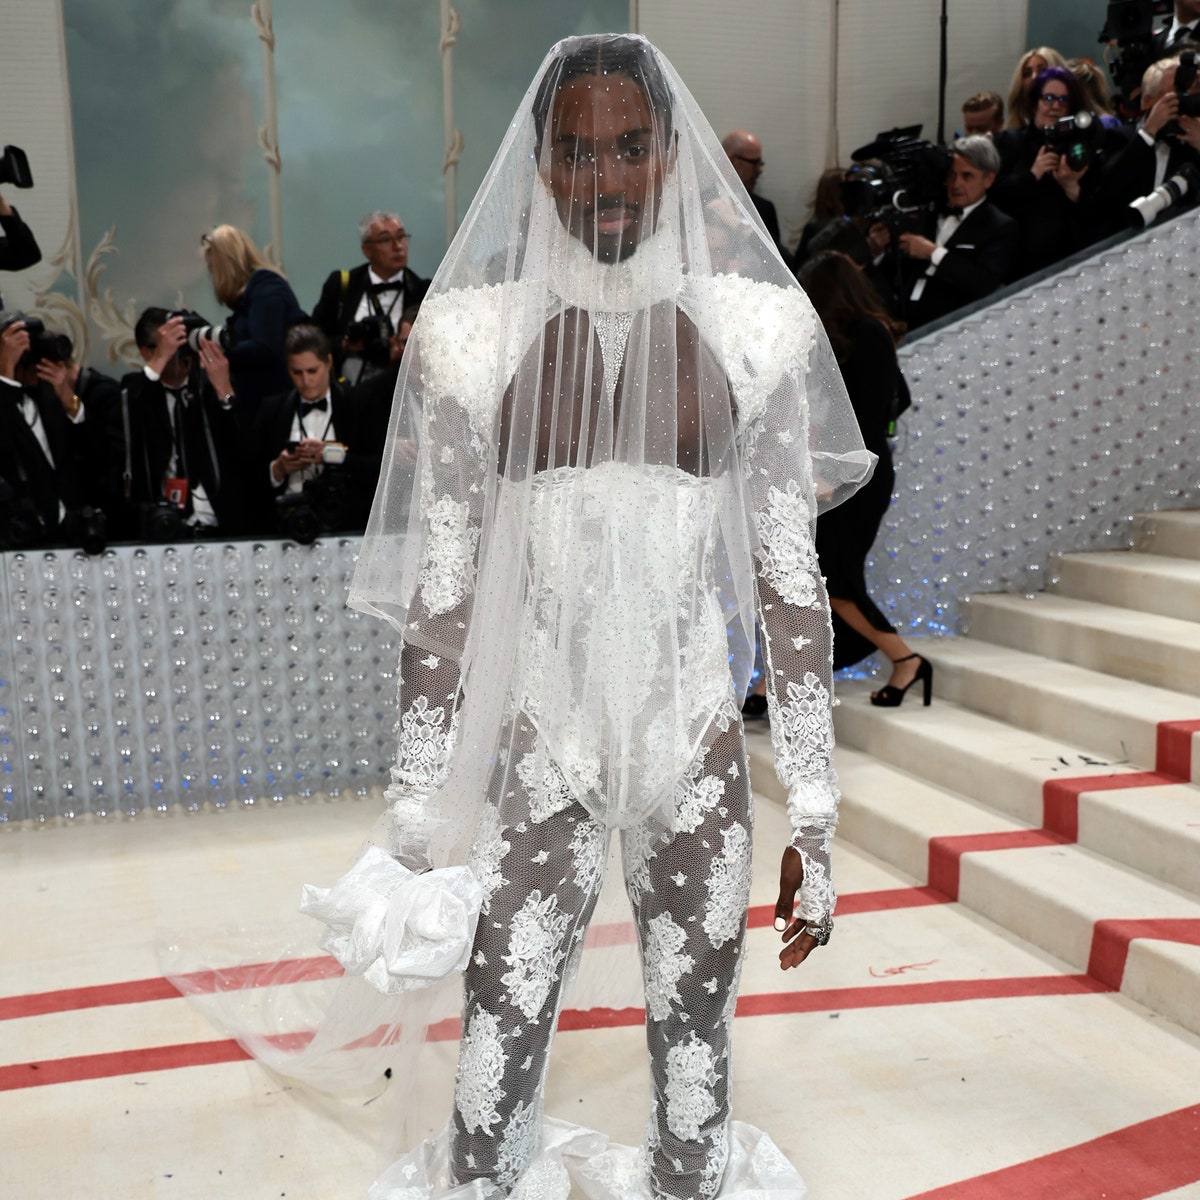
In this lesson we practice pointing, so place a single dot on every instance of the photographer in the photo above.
(182, 464)
(1183, 33)
(46, 461)
(316, 449)
(360, 308)
(1156, 148)
(1049, 173)
(963, 252)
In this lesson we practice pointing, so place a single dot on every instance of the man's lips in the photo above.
(610, 221)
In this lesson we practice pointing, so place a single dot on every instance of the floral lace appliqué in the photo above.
(691, 1077)
(544, 785)
(729, 887)
(536, 949)
(518, 1144)
(481, 1063)
(789, 558)
(449, 554)
(423, 745)
(588, 847)
(802, 730)
(695, 798)
(486, 854)
(665, 965)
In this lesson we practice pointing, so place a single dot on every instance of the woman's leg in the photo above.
(540, 857)
(890, 643)
(690, 894)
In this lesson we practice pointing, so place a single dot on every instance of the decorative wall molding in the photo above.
(268, 133)
(451, 27)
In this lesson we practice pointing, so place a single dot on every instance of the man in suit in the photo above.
(18, 246)
(320, 444)
(378, 290)
(1150, 152)
(1183, 33)
(964, 252)
(745, 152)
(44, 446)
(182, 463)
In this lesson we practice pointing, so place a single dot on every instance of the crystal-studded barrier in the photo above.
(211, 675)
(1040, 425)
(152, 678)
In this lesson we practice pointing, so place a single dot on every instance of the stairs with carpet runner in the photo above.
(1053, 787)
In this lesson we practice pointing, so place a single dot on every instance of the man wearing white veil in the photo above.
(614, 426)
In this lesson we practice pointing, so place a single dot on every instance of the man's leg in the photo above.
(540, 857)
(690, 895)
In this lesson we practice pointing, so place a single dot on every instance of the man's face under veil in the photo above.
(604, 162)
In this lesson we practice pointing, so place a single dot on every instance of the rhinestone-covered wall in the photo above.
(1041, 425)
(162, 677)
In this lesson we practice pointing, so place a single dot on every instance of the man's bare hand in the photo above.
(58, 376)
(14, 341)
(216, 367)
(1164, 110)
(916, 246)
(171, 336)
(798, 944)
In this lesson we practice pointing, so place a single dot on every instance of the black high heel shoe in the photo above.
(893, 697)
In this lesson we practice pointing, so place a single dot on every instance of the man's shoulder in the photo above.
(987, 218)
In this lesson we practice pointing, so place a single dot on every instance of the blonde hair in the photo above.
(1155, 78)
(232, 257)
(1095, 86)
(1020, 111)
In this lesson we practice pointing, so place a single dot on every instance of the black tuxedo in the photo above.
(1129, 174)
(360, 418)
(23, 464)
(18, 246)
(211, 449)
(1161, 47)
(979, 255)
(337, 305)
(766, 210)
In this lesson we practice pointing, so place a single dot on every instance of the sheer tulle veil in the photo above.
(612, 371)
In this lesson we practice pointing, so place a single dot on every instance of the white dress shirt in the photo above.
(947, 227)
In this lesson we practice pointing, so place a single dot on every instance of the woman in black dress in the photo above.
(864, 340)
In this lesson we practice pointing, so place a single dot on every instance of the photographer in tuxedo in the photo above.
(316, 450)
(360, 308)
(181, 475)
(1183, 33)
(964, 252)
(46, 458)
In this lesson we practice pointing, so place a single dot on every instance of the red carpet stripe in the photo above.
(945, 853)
(196, 1054)
(1110, 943)
(1060, 797)
(1174, 749)
(1134, 1163)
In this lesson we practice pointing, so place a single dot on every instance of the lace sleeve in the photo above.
(452, 464)
(797, 644)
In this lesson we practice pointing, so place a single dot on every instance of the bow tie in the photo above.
(377, 288)
(320, 405)
(952, 212)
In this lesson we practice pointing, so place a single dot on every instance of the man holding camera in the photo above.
(1163, 142)
(360, 309)
(18, 246)
(180, 474)
(45, 461)
(964, 252)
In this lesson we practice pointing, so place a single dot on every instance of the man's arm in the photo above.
(18, 248)
(976, 273)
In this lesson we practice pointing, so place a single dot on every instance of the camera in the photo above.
(42, 345)
(911, 175)
(1130, 25)
(1147, 210)
(323, 505)
(14, 167)
(373, 332)
(161, 521)
(1079, 139)
(197, 327)
(87, 528)
(1185, 79)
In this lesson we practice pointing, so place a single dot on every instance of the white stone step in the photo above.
(1176, 534)
(1155, 830)
(1161, 651)
(1113, 719)
(1051, 897)
(1151, 583)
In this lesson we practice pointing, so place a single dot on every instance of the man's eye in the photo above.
(636, 151)
(576, 158)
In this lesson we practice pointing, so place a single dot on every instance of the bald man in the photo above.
(746, 154)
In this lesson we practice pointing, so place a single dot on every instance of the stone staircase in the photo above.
(1054, 785)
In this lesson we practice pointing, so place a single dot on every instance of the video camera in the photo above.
(1185, 79)
(911, 175)
(197, 327)
(1169, 197)
(1130, 27)
(14, 167)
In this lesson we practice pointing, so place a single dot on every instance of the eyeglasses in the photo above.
(754, 162)
(388, 239)
(1053, 100)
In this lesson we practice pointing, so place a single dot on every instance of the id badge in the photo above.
(176, 491)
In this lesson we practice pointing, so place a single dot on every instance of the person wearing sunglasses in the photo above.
(1049, 195)
(360, 308)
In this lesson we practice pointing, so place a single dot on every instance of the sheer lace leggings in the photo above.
(542, 857)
